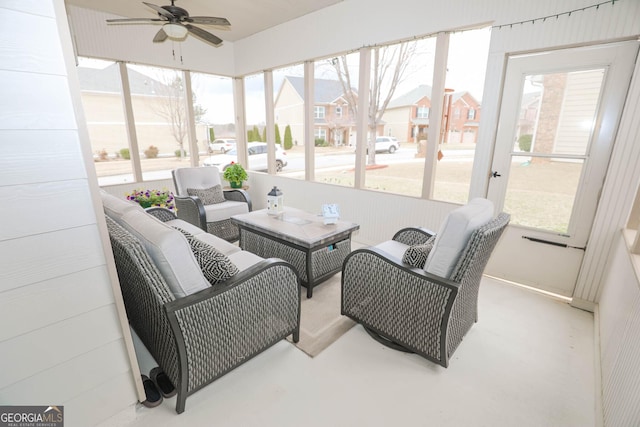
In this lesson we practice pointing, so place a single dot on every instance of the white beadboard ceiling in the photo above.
(246, 17)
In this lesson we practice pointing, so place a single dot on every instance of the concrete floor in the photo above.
(529, 361)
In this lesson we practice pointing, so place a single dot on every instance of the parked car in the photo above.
(222, 145)
(257, 157)
(386, 143)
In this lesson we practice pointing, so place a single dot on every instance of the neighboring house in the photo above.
(407, 117)
(333, 118)
(464, 119)
(560, 111)
(102, 103)
(528, 113)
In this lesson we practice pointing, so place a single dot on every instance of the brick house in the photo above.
(333, 117)
(407, 117)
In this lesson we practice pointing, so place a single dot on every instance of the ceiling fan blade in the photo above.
(160, 10)
(110, 21)
(204, 35)
(160, 36)
(208, 20)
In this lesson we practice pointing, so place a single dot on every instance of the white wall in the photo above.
(60, 342)
(619, 326)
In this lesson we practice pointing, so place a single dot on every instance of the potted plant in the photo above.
(235, 174)
(149, 198)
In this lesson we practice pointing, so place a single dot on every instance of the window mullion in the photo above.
(130, 123)
(435, 120)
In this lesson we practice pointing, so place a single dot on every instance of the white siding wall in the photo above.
(619, 344)
(60, 342)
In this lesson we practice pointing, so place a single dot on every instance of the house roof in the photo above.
(325, 90)
(411, 98)
(107, 80)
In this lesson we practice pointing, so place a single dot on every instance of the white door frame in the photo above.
(555, 267)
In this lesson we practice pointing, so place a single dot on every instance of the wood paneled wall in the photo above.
(61, 342)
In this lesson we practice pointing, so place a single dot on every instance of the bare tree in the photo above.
(389, 68)
(171, 106)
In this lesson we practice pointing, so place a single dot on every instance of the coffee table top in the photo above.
(295, 226)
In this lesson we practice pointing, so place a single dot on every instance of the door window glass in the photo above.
(555, 126)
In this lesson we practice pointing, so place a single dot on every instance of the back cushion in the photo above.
(202, 177)
(169, 250)
(115, 207)
(454, 234)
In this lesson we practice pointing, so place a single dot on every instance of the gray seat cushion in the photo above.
(222, 211)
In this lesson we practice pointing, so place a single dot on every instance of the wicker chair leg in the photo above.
(181, 401)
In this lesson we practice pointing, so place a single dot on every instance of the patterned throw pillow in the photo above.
(416, 255)
(209, 196)
(216, 266)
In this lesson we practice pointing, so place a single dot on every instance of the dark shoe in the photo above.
(154, 398)
(163, 382)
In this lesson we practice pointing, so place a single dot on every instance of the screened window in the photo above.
(101, 93)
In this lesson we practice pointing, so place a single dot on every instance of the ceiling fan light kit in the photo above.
(175, 31)
(176, 24)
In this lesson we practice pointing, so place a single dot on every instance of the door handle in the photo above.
(495, 174)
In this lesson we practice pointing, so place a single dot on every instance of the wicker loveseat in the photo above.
(428, 307)
(198, 337)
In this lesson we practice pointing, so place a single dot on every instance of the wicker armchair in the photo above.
(200, 337)
(214, 218)
(409, 308)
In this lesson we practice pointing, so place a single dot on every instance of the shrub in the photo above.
(320, 142)
(288, 140)
(151, 152)
(125, 154)
(524, 142)
(278, 139)
(212, 134)
(179, 152)
(103, 155)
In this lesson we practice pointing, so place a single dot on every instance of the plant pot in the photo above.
(235, 184)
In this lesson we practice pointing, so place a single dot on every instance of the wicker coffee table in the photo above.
(316, 250)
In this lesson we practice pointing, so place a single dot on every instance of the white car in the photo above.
(386, 143)
(222, 145)
(257, 158)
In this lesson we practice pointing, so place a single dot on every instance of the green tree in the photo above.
(212, 134)
(288, 139)
(264, 134)
(278, 140)
(256, 134)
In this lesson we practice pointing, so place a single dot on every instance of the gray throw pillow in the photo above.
(416, 255)
(216, 266)
(209, 196)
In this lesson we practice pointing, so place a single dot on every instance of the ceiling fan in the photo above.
(177, 23)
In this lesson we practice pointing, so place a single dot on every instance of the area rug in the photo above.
(321, 323)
